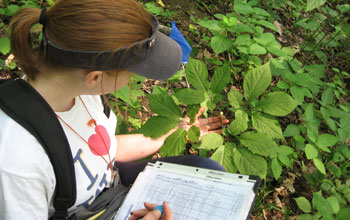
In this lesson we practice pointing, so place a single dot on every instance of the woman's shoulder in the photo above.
(20, 152)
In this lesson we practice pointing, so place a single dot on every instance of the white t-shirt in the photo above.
(27, 179)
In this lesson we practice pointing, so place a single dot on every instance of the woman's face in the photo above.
(112, 82)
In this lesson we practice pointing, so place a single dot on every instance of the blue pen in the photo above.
(160, 208)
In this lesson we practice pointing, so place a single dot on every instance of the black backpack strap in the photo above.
(26, 106)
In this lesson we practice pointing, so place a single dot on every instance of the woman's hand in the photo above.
(206, 125)
(150, 214)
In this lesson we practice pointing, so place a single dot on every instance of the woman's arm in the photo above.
(131, 147)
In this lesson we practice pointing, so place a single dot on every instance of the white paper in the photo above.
(189, 198)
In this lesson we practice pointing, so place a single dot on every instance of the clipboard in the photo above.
(193, 193)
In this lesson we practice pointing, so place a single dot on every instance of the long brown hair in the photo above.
(87, 25)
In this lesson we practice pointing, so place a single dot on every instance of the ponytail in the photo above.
(21, 41)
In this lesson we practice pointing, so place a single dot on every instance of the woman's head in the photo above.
(82, 26)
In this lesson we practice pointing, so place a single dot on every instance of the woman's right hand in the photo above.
(150, 214)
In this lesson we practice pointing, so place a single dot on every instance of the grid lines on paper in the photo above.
(193, 201)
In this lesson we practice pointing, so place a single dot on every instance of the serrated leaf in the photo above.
(277, 104)
(319, 165)
(259, 143)
(192, 111)
(312, 4)
(193, 134)
(175, 144)
(256, 81)
(190, 96)
(5, 45)
(256, 49)
(276, 168)
(235, 98)
(157, 126)
(248, 163)
(211, 141)
(197, 74)
(221, 77)
(228, 158)
(240, 123)
(267, 125)
(219, 154)
(164, 105)
(303, 204)
(311, 152)
(220, 43)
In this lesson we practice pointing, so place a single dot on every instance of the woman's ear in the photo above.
(93, 78)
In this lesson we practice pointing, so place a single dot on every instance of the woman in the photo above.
(88, 48)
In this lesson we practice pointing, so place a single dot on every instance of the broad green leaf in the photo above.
(321, 204)
(12, 9)
(303, 204)
(282, 85)
(343, 214)
(235, 98)
(256, 81)
(228, 158)
(276, 168)
(240, 123)
(256, 49)
(312, 4)
(277, 104)
(197, 74)
(259, 143)
(175, 144)
(310, 151)
(326, 140)
(266, 39)
(5, 45)
(291, 130)
(333, 201)
(248, 163)
(327, 97)
(305, 217)
(164, 105)
(219, 155)
(242, 9)
(267, 125)
(157, 126)
(190, 96)
(192, 111)
(221, 77)
(319, 165)
(276, 51)
(220, 43)
(211, 141)
(243, 40)
(277, 64)
(212, 25)
(193, 134)
(267, 25)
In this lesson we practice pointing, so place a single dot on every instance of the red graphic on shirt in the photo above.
(100, 142)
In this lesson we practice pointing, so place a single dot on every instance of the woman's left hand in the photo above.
(206, 125)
